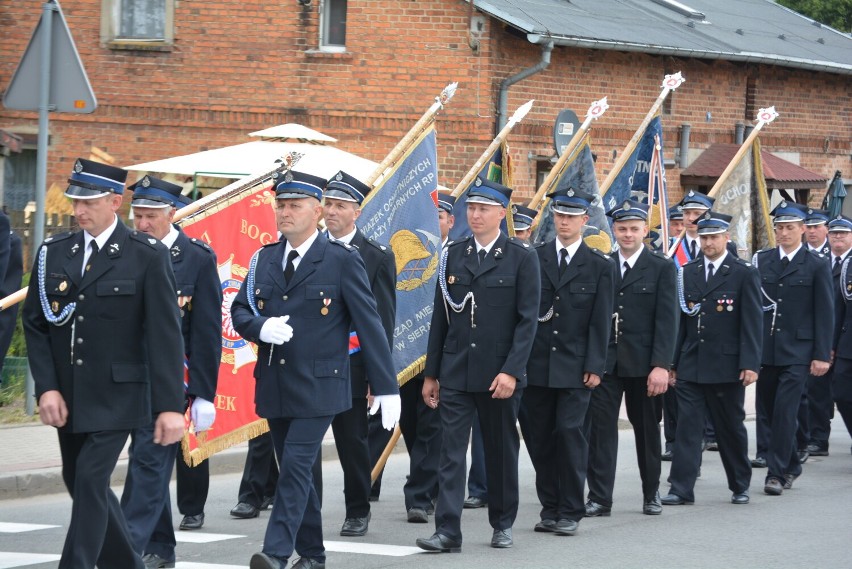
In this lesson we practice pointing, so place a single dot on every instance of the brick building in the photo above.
(174, 77)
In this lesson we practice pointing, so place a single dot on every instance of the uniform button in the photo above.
(282, 361)
(79, 340)
(115, 289)
(556, 331)
(81, 297)
(79, 362)
(620, 307)
(620, 333)
(284, 297)
(557, 298)
(780, 300)
(701, 340)
(780, 284)
(553, 349)
(321, 293)
(621, 320)
(621, 294)
(178, 293)
(702, 327)
(500, 281)
(556, 315)
(80, 318)
(472, 345)
(335, 371)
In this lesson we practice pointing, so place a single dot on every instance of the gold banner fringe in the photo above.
(207, 449)
(413, 369)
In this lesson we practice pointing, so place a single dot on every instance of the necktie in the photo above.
(710, 269)
(482, 253)
(290, 268)
(94, 248)
(837, 262)
(626, 269)
(692, 248)
(563, 261)
(785, 261)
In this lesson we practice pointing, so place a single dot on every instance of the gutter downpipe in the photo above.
(503, 95)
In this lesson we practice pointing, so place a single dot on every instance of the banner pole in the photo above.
(520, 113)
(670, 83)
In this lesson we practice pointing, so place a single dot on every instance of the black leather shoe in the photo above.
(773, 487)
(192, 522)
(667, 456)
(355, 527)
(711, 445)
(674, 500)
(545, 526)
(740, 498)
(440, 543)
(264, 561)
(758, 462)
(566, 527)
(653, 506)
(473, 502)
(244, 510)
(417, 516)
(788, 480)
(817, 450)
(267, 503)
(154, 561)
(308, 563)
(594, 510)
(501, 538)
(804, 455)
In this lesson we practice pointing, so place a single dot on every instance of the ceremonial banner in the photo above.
(579, 174)
(655, 196)
(744, 197)
(235, 230)
(497, 169)
(401, 213)
(632, 179)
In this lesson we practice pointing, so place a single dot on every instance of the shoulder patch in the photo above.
(144, 238)
(58, 237)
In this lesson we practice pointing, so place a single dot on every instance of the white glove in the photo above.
(203, 414)
(276, 331)
(391, 406)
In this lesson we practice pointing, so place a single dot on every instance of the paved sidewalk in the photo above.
(30, 463)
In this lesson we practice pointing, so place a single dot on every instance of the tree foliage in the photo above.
(835, 13)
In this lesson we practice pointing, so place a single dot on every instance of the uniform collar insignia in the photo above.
(113, 249)
(468, 250)
(498, 252)
(175, 250)
(75, 248)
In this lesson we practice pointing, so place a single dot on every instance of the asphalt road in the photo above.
(808, 526)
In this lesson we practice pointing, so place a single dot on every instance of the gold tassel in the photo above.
(206, 449)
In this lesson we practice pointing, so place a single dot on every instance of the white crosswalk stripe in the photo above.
(203, 537)
(6, 527)
(11, 559)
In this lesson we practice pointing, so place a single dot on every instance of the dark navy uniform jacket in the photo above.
(647, 316)
(381, 274)
(805, 316)
(328, 296)
(842, 344)
(574, 340)
(197, 277)
(725, 338)
(506, 290)
(127, 359)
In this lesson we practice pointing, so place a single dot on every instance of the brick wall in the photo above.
(236, 67)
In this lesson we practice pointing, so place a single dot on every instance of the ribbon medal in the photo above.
(324, 310)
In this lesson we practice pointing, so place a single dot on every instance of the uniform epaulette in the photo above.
(817, 253)
(655, 253)
(695, 260)
(201, 243)
(601, 254)
(537, 245)
(377, 245)
(765, 250)
(518, 242)
(270, 244)
(145, 238)
(460, 241)
(58, 237)
(346, 246)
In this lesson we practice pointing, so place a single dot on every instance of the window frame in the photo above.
(111, 27)
(324, 9)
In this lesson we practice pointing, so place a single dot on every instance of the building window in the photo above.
(137, 21)
(333, 25)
